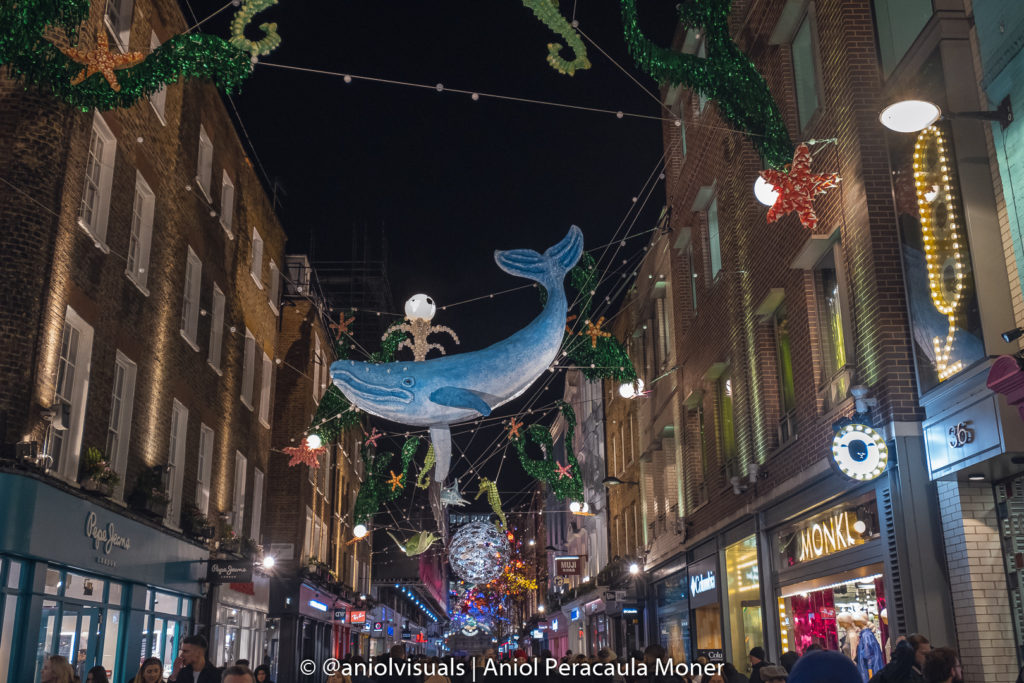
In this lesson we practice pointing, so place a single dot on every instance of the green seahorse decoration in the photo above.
(423, 481)
(491, 489)
(547, 12)
(265, 45)
(725, 75)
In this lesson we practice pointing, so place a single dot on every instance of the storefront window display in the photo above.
(598, 632)
(674, 616)
(10, 580)
(1010, 508)
(744, 597)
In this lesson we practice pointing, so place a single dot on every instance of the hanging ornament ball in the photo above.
(478, 552)
(360, 530)
(313, 442)
(420, 307)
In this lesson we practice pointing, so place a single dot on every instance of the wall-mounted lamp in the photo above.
(911, 116)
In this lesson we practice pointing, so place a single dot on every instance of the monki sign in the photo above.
(828, 536)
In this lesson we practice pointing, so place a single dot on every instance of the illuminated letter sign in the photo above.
(827, 537)
(859, 452)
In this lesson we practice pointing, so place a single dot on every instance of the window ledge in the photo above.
(99, 244)
(206, 193)
(245, 402)
(139, 286)
(274, 308)
(195, 347)
(159, 115)
(228, 230)
(264, 423)
(220, 373)
(256, 279)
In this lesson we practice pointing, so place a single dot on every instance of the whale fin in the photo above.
(548, 269)
(454, 397)
(441, 440)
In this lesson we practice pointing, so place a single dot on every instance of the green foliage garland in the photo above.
(270, 40)
(389, 347)
(547, 12)
(33, 59)
(546, 468)
(333, 415)
(726, 75)
(375, 490)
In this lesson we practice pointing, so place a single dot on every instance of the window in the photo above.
(204, 469)
(317, 362)
(899, 22)
(265, 381)
(99, 176)
(693, 278)
(238, 497)
(176, 460)
(204, 165)
(307, 542)
(325, 466)
(726, 424)
(275, 287)
(216, 329)
(190, 300)
(257, 503)
(805, 70)
(248, 368)
(118, 19)
(664, 328)
(256, 268)
(158, 99)
(227, 203)
(137, 267)
(784, 370)
(714, 240)
(830, 311)
(702, 53)
(120, 425)
(64, 436)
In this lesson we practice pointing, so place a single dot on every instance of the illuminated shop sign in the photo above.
(859, 452)
(318, 606)
(574, 614)
(701, 583)
(827, 537)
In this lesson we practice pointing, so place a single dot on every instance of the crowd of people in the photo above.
(913, 660)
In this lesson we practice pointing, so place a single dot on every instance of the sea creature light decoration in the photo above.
(478, 552)
(440, 392)
(419, 311)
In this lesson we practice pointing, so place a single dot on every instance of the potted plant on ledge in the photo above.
(148, 495)
(229, 541)
(99, 477)
(196, 524)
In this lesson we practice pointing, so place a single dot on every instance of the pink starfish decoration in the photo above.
(563, 471)
(797, 188)
(301, 455)
(371, 439)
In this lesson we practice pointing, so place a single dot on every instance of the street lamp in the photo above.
(269, 561)
(360, 530)
(615, 481)
(540, 608)
(911, 116)
(634, 569)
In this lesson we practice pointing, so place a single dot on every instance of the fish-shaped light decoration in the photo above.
(440, 392)
(417, 544)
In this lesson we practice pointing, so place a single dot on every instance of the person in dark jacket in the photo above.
(262, 674)
(191, 665)
(788, 660)
(757, 662)
(731, 675)
(906, 663)
(825, 666)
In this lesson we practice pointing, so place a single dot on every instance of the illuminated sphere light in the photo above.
(859, 526)
(269, 562)
(631, 389)
(478, 552)
(585, 507)
(574, 506)
(909, 116)
(765, 191)
(420, 307)
(313, 442)
(360, 531)
(860, 452)
(634, 568)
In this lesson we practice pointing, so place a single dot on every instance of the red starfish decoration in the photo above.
(302, 455)
(797, 188)
(563, 471)
(102, 61)
(395, 480)
(513, 429)
(371, 439)
(341, 327)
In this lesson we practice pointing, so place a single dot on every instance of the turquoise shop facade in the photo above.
(79, 574)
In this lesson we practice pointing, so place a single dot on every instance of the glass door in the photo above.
(71, 631)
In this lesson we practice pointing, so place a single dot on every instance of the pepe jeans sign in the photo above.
(229, 571)
(105, 537)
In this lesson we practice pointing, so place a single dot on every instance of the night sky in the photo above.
(449, 178)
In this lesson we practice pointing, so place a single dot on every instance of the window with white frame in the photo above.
(317, 363)
(317, 536)
(714, 238)
(190, 299)
(265, 382)
(325, 465)
(176, 460)
(216, 329)
(99, 177)
(204, 165)
(248, 368)
(158, 99)
(137, 263)
(805, 69)
(257, 503)
(227, 202)
(204, 469)
(120, 425)
(256, 267)
(118, 19)
(274, 298)
(238, 496)
(323, 540)
(307, 540)
(702, 53)
(64, 436)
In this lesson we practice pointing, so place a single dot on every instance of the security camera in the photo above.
(860, 398)
(738, 486)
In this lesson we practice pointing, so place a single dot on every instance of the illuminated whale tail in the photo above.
(548, 269)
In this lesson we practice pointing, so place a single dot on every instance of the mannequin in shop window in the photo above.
(849, 634)
(869, 652)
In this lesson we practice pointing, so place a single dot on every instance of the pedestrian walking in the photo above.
(774, 673)
(942, 666)
(191, 666)
(788, 659)
(237, 674)
(97, 674)
(757, 662)
(825, 666)
(262, 674)
(57, 669)
(907, 662)
(151, 671)
(730, 674)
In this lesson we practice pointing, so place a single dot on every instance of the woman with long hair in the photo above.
(57, 669)
(151, 671)
(97, 674)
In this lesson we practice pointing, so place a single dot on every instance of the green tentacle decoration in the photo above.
(726, 75)
(491, 489)
(547, 12)
(566, 481)
(270, 40)
(30, 57)
(375, 490)
(423, 481)
(389, 346)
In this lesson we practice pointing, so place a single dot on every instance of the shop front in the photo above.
(304, 616)
(558, 635)
(82, 580)
(744, 616)
(671, 604)
(831, 588)
(575, 626)
(597, 627)
(240, 622)
(705, 598)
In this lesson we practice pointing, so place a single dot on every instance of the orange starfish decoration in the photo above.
(797, 188)
(594, 331)
(395, 480)
(341, 327)
(101, 60)
(567, 321)
(513, 429)
(303, 455)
